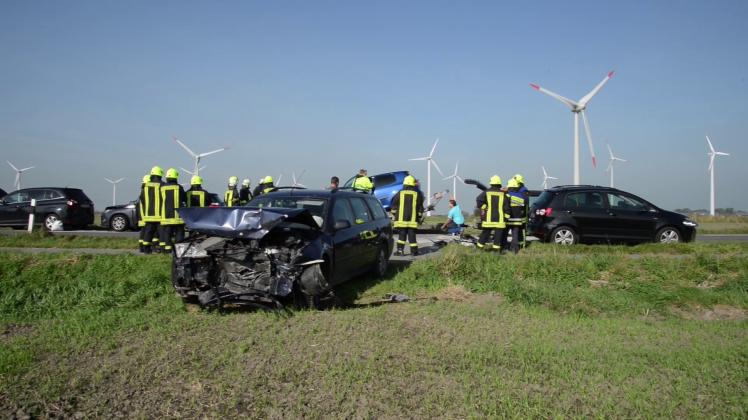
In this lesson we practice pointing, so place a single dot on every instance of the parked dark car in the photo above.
(386, 185)
(71, 206)
(290, 246)
(571, 214)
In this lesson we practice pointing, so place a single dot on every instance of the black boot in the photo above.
(147, 249)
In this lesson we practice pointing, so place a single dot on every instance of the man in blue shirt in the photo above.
(455, 219)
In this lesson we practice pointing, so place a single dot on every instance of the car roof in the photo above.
(313, 193)
(560, 188)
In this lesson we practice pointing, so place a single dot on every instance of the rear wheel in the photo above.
(564, 235)
(118, 223)
(50, 220)
(380, 265)
(668, 235)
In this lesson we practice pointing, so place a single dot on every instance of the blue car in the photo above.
(386, 185)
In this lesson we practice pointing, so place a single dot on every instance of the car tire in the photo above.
(119, 223)
(49, 220)
(668, 235)
(380, 265)
(564, 235)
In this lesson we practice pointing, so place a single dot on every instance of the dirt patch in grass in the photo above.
(716, 313)
(11, 331)
(459, 293)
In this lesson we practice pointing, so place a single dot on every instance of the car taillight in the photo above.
(544, 212)
(71, 203)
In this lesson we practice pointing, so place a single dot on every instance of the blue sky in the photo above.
(97, 89)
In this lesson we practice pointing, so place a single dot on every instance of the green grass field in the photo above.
(41, 239)
(572, 332)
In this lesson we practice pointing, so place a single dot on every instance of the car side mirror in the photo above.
(342, 224)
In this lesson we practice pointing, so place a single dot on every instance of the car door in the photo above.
(346, 241)
(367, 231)
(13, 210)
(587, 208)
(631, 218)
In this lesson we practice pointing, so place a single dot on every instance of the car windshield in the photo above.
(315, 205)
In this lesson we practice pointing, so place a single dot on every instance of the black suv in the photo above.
(71, 206)
(289, 246)
(573, 213)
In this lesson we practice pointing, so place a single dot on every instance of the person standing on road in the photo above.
(517, 212)
(150, 208)
(407, 208)
(244, 193)
(492, 205)
(196, 195)
(231, 196)
(139, 214)
(363, 183)
(172, 198)
(526, 195)
(455, 219)
(265, 187)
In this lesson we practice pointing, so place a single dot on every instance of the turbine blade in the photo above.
(721, 153)
(568, 102)
(12, 165)
(449, 177)
(184, 146)
(545, 174)
(26, 169)
(421, 158)
(586, 98)
(710, 144)
(611, 152)
(186, 171)
(119, 180)
(589, 138)
(437, 167)
(109, 180)
(434, 148)
(552, 177)
(619, 159)
(460, 179)
(202, 155)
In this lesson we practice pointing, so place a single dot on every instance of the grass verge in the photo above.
(41, 239)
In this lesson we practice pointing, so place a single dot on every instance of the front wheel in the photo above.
(118, 223)
(564, 235)
(668, 235)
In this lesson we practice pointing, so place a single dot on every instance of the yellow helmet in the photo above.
(495, 180)
(196, 180)
(268, 180)
(519, 178)
(512, 183)
(146, 178)
(156, 170)
(409, 181)
(246, 182)
(172, 173)
(233, 180)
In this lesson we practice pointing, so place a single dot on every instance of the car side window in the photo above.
(361, 212)
(622, 202)
(341, 210)
(384, 180)
(575, 200)
(376, 208)
(17, 197)
(595, 201)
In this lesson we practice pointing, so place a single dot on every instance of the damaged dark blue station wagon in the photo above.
(287, 247)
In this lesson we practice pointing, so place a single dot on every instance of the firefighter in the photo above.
(363, 183)
(517, 212)
(172, 198)
(150, 208)
(139, 214)
(492, 205)
(407, 209)
(244, 193)
(196, 195)
(231, 196)
(265, 186)
(526, 195)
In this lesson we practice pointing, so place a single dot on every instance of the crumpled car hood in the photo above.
(242, 222)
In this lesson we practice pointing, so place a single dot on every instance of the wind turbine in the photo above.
(454, 177)
(429, 161)
(18, 174)
(712, 154)
(546, 177)
(613, 158)
(278, 180)
(197, 156)
(296, 182)
(114, 189)
(578, 107)
(192, 173)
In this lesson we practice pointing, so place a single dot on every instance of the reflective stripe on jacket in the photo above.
(196, 198)
(407, 207)
(492, 204)
(172, 198)
(150, 202)
(231, 197)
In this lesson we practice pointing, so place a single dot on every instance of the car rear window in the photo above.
(376, 208)
(384, 180)
(360, 210)
(76, 194)
(544, 200)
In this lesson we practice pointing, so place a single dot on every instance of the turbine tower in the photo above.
(296, 181)
(17, 182)
(612, 159)
(546, 177)
(197, 156)
(429, 161)
(578, 107)
(712, 154)
(114, 189)
(454, 177)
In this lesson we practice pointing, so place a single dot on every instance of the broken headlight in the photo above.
(188, 250)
